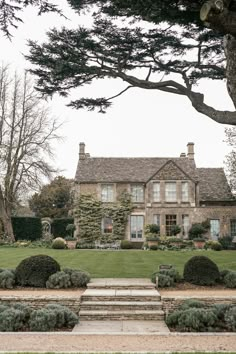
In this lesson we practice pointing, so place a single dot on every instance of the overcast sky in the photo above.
(140, 123)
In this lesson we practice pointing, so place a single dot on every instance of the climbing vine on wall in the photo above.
(91, 211)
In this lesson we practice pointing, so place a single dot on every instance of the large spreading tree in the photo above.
(175, 43)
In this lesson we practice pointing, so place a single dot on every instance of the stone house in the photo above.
(165, 191)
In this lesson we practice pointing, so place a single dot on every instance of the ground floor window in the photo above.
(185, 225)
(214, 228)
(170, 221)
(233, 227)
(136, 226)
(107, 225)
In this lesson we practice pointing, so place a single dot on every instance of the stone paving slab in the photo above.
(121, 327)
(122, 282)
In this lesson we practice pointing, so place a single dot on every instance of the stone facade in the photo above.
(185, 193)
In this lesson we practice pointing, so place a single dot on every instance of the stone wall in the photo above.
(37, 302)
(171, 303)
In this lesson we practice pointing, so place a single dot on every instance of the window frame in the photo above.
(135, 196)
(106, 193)
(185, 192)
(172, 217)
(103, 225)
(168, 193)
(232, 234)
(137, 232)
(156, 193)
(214, 237)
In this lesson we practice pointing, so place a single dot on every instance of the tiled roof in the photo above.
(213, 185)
(137, 169)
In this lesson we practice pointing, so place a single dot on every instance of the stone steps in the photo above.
(99, 315)
(121, 300)
(121, 305)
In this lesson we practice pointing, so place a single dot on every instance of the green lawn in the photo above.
(118, 264)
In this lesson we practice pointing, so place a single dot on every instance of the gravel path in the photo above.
(68, 342)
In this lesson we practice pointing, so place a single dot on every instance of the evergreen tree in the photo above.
(178, 43)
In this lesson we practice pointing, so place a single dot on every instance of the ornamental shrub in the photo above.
(223, 273)
(200, 270)
(220, 310)
(196, 319)
(26, 228)
(11, 320)
(165, 281)
(230, 318)
(58, 280)
(35, 270)
(230, 280)
(79, 279)
(7, 279)
(153, 247)
(216, 246)
(173, 273)
(226, 242)
(191, 303)
(42, 320)
(64, 316)
(59, 243)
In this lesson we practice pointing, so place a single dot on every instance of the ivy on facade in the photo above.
(90, 212)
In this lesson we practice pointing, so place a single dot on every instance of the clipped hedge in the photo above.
(26, 228)
(59, 225)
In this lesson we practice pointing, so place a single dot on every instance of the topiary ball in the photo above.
(200, 270)
(35, 270)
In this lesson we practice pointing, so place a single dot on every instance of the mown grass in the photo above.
(117, 264)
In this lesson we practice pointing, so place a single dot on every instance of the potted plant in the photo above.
(199, 242)
(152, 232)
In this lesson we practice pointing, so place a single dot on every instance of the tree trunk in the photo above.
(230, 53)
(6, 219)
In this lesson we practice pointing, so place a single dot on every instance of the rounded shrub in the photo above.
(230, 280)
(7, 279)
(79, 279)
(216, 246)
(42, 320)
(196, 319)
(11, 320)
(58, 280)
(35, 270)
(200, 270)
(230, 318)
(59, 243)
(153, 247)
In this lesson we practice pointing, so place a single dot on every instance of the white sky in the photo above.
(140, 123)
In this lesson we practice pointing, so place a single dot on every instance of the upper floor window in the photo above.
(170, 192)
(184, 192)
(107, 193)
(156, 192)
(137, 193)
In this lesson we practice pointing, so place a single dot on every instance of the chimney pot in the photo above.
(82, 151)
(190, 147)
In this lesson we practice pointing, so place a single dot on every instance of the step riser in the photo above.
(120, 298)
(122, 318)
(120, 307)
(131, 287)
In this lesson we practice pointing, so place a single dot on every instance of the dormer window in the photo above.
(137, 193)
(107, 193)
(184, 192)
(170, 192)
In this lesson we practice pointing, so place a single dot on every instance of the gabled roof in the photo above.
(140, 170)
(213, 185)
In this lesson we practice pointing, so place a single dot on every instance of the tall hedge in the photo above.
(26, 228)
(58, 227)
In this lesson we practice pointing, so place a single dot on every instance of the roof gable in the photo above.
(170, 171)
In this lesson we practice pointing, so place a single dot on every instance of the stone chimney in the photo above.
(82, 154)
(190, 154)
(182, 154)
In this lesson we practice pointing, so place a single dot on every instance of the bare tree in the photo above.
(26, 134)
